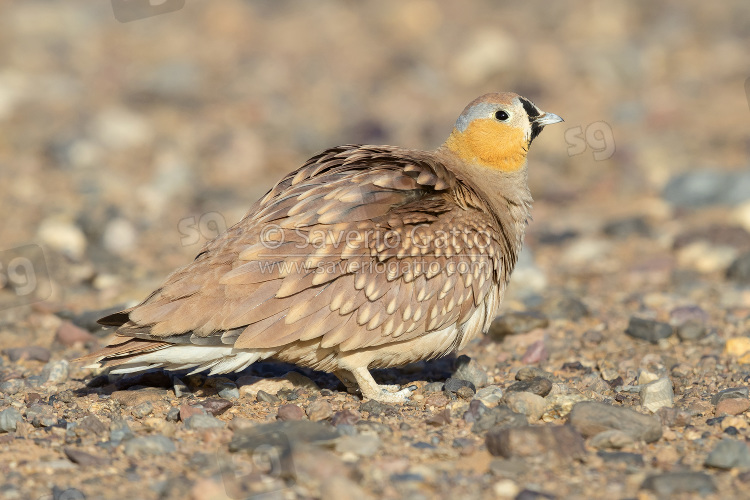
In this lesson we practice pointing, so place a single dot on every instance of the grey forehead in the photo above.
(481, 110)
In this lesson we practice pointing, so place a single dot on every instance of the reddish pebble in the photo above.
(187, 411)
(732, 406)
(535, 353)
(290, 412)
(69, 334)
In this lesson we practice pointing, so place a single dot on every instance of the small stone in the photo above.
(672, 483)
(689, 321)
(173, 415)
(228, 390)
(490, 396)
(149, 445)
(674, 417)
(264, 397)
(738, 346)
(300, 381)
(119, 431)
(465, 392)
(516, 322)
(647, 329)
(592, 337)
(250, 385)
(41, 415)
(319, 410)
(590, 418)
(739, 270)
(440, 418)
(438, 399)
(454, 384)
(729, 453)
(657, 394)
(615, 439)
(731, 393)
(56, 372)
(434, 387)
(216, 406)
(180, 389)
(12, 386)
(64, 237)
(560, 442)
(469, 370)
(82, 458)
(32, 353)
(376, 408)
(91, 424)
(530, 372)
(187, 411)
(69, 334)
(290, 412)
(492, 418)
(203, 421)
(283, 435)
(361, 445)
(345, 417)
(143, 409)
(9, 419)
(535, 353)
(559, 405)
(565, 307)
(537, 385)
(527, 403)
(629, 226)
(732, 406)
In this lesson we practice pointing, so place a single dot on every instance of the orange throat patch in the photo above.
(490, 144)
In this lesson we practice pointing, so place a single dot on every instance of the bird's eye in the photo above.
(502, 115)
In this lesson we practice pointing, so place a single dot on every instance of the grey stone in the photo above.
(671, 483)
(731, 393)
(12, 386)
(119, 431)
(561, 442)
(701, 188)
(32, 352)
(529, 372)
(469, 370)
(376, 408)
(265, 397)
(624, 228)
(739, 271)
(648, 329)
(454, 384)
(631, 459)
(180, 389)
(40, 415)
(173, 415)
(286, 434)
(9, 419)
(149, 445)
(203, 421)
(56, 372)
(485, 418)
(228, 390)
(143, 409)
(537, 385)
(565, 307)
(590, 418)
(434, 387)
(729, 453)
(531, 405)
(515, 323)
(490, 395)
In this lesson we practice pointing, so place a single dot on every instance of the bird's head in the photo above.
(495, 131)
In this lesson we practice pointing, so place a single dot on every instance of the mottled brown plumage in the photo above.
(365, 257)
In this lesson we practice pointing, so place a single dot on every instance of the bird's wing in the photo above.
(359, 247)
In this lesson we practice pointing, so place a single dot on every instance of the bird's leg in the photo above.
(346, 378)
(371, 390)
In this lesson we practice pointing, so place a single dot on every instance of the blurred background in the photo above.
(125, 145)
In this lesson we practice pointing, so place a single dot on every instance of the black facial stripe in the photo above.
(530, 109)
(536, 129)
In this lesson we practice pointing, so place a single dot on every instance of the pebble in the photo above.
(80, 457)
(689, 322)
(440, 418)
(536, 385)
(535, 353)
(228, 390)
(180, 389)
(264, 397)
(534, 495)
(376, 408)
(283, 434)
(699, 188)
(149, 445)
(657, 394)
(527, 403)
(319, 410)
(9, 419)
(729, 453)
(69, 334)
(40, 415)
(631, 459)
(498, 417)
(732, 406)
(454, 384)
(143, 409)
(56, 372)
(216, 406)
(32, 353)
(565, 307)
(614, 439)
(92, 425)
(434, 387)
(437, 399)
(674, 417)
(12, 386)
(187, 411)
(119, 431)
(173, 415)
(345, 417)
(552, 441)
(648, 329)
(672, 483)
(740, 347)
(361, 445)
(629, 226)
(290, 412)
(64, 237)
(530, 372)
(590, 418)
(731, 393)
(465, 392)
(471, 371)
(491, 395)
(506, 488)
(203, 421)
(560, 405)
(516, 322)
(739, 270)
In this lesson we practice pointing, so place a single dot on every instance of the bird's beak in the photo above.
(547, 119)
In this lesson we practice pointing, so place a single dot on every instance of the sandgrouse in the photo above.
(365, 257)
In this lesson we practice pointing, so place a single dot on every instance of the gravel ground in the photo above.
(620, 364)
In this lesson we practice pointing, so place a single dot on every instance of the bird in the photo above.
(365, 257)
